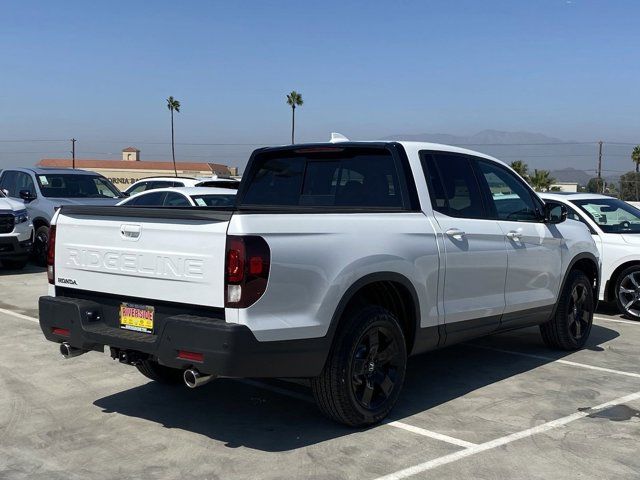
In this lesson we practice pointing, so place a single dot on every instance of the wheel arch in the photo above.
(40, 222)
(588, 264)
(609, 293)
(390, 290)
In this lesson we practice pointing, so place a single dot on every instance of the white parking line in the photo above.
(499, 442)
(19, 315)
(555, 360)
(616, 320)
(405, 426)
(430, 434)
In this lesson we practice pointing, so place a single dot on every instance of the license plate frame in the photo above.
(136, 317)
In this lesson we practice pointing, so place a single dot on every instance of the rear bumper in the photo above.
(229, 349)
(11, 247)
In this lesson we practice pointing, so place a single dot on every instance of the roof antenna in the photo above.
(338, 137)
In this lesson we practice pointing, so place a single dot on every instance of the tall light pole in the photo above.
(73, 153)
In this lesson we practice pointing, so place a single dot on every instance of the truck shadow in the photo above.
(29, 268)
(245, 415)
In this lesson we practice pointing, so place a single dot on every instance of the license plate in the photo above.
(138, 318)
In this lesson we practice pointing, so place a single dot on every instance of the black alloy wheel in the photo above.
(375, 368)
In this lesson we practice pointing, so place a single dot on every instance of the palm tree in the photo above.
(521, 169)
(541, 180)
(294, 99)
(635, 156)
(173, 104)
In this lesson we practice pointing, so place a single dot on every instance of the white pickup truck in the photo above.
(338, 261)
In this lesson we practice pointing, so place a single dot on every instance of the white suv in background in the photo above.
(151, 183)
(615, 227)
(16, 233)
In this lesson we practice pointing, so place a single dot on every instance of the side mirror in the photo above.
(554, 213)
(27, 195)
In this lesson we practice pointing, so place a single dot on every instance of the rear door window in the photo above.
(174, 199)
(154, 199)
(452, 184)
(327, 177)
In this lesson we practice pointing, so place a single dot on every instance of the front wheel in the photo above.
(41, 245)
(628, 292)
(570, 327)
(365, 370)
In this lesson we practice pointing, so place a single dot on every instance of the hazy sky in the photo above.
(100, 72)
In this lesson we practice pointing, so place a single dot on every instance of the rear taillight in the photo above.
(51, 255)
(246, 270)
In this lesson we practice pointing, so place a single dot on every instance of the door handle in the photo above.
(455, 233)
(514, 235)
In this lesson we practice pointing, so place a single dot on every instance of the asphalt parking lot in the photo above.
(500, 407)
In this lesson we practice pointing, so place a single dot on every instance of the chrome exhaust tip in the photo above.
(67, 351)
(194, 379)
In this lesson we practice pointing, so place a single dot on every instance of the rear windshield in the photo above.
(76, 186)
(333, 177)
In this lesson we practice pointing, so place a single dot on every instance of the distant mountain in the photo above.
(571, 175)
(485, 137)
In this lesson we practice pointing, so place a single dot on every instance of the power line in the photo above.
(28, 141)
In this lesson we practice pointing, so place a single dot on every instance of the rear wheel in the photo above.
(570, 327)
(40, 246)
(160, 373)
(628, 292)
(364, 373)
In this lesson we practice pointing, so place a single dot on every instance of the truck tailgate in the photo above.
(172, 255)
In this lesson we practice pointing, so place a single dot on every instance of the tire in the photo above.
(40, 246)
(627, 292)
(159, 373)
(365, 370)
(570, 327)
(14, 264)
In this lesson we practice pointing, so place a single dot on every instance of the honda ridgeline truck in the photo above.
(338, 261)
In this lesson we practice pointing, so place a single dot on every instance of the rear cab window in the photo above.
(342, 177)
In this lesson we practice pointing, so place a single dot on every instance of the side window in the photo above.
(508, 198)
(8, 183)
(453, 186)
(24, 182)
(141, 187)
(176, 200)
(159, 184)
(573, 215)
(155, 199)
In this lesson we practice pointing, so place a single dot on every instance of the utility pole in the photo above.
(73, 152)
(600, 183)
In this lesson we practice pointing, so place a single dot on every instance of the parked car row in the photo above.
(39, 192)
